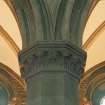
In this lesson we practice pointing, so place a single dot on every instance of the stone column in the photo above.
(52, 71)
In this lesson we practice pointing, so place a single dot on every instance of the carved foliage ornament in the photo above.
(52, 57)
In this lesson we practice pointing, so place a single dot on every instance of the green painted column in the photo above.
(52, 71)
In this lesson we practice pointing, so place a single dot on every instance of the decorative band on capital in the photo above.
(49, 57)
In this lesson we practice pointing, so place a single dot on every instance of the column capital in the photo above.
(52, 56)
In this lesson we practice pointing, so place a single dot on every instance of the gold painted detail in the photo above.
(9, 40)
(17, 85)
(93, 37)
(87, 81)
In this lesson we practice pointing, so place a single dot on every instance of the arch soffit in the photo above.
(7, 70)
(92, 80)
(13, 83)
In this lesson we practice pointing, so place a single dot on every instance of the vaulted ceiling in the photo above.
(11, 42)
(94, 36)
(10, 38)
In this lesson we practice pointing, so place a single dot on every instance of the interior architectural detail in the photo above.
(9, 40)
(52, 52)
(52, 70)
(14, 85)
(93, 86)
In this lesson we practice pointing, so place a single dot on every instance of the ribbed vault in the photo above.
(44, 20)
